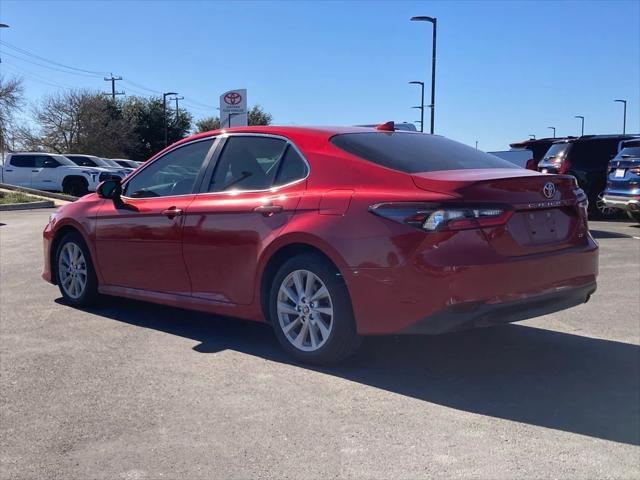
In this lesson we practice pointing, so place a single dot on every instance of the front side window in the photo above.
(247, 163)
(25, 161)
(41, 159)
(174, 173)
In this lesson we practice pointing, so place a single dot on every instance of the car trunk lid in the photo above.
(547, 214)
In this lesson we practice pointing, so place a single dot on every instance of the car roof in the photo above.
(36, 153)
(586, 138)
(313, 133)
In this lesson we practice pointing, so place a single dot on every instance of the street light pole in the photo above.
(532, 136)
(164, 115)
(582, 128)
(416, 82)
(554, 131)
(624, 117)
(434, 22)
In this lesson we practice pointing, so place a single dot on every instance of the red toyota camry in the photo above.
(330, 234)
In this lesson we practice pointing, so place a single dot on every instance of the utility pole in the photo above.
(176, 98)
(113, 80)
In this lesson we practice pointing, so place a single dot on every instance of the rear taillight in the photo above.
(435, 218)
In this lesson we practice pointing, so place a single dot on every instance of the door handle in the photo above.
(35, 171)
(172, 212)
(268, 210)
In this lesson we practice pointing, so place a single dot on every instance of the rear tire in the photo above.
(310, 311)
(634, 216)
(76, 187)
(598, 210)
(75, 274)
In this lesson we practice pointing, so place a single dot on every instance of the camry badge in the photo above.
(549, 190)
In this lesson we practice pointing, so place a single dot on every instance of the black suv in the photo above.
(587, 159)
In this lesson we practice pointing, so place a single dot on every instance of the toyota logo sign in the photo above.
(549, 190)
(232, 98)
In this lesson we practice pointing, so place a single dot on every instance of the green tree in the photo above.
(147, 117)
(257, 116)
(207, 124)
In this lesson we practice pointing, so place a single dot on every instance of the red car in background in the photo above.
(330, 234)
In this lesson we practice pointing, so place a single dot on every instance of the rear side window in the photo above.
(291, 168)
(413, 153)
(247, 163)
(27, 161)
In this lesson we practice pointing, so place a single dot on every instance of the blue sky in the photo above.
(505, 69)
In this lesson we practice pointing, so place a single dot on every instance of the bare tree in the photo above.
(80, 121)
(11, 100)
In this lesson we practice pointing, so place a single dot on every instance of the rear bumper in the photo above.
(463, 288)
(630, 203)
(478, 314)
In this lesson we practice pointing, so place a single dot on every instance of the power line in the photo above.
(48, 66)
(53, 62)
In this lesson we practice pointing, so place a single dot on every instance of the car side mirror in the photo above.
(50, 164)
(110, 189)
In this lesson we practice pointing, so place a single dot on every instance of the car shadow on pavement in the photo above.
(539, 377)
(600, 234)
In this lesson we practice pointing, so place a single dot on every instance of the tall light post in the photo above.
(532, 136)
(416, 82)
(3, 25)
(476, 144)
(554, 131)
(582, 127)
(434, 22)
(164, 114)
(624, 116)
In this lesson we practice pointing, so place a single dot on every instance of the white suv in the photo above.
(47, 171)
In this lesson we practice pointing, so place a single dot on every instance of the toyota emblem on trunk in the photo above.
(549, 190)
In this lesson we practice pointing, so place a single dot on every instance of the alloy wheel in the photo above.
(305, 310)
(72, 268)
(602, 207)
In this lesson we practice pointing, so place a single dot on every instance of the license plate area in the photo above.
(619, 173)
(542, 226)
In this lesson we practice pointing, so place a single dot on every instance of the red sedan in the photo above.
(330, 234)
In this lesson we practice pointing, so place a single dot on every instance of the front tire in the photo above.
(76, 187)
(310, 311)
(75, 275)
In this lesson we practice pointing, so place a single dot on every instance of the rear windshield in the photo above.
(628, 152)
(557, 150)
(413, 152)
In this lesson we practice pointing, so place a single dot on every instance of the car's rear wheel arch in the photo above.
(277, 259)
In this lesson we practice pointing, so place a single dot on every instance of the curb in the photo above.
(26, 206)
(40, 193)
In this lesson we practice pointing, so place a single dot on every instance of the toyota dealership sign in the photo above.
(233, 108)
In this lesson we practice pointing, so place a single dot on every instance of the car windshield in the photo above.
(414, 152)
(111, 163)
(557, 150)
(62, 160)
(629, 152)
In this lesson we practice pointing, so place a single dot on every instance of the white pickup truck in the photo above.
(47, 171)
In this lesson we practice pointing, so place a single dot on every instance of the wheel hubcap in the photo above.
(305, 310)
(602, 207)
(72, 269)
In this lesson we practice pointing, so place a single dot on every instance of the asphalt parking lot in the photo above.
(129, 390)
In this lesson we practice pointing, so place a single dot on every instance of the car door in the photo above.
(254, 187)
(18, 170)
(44, 177)
(138, 237)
